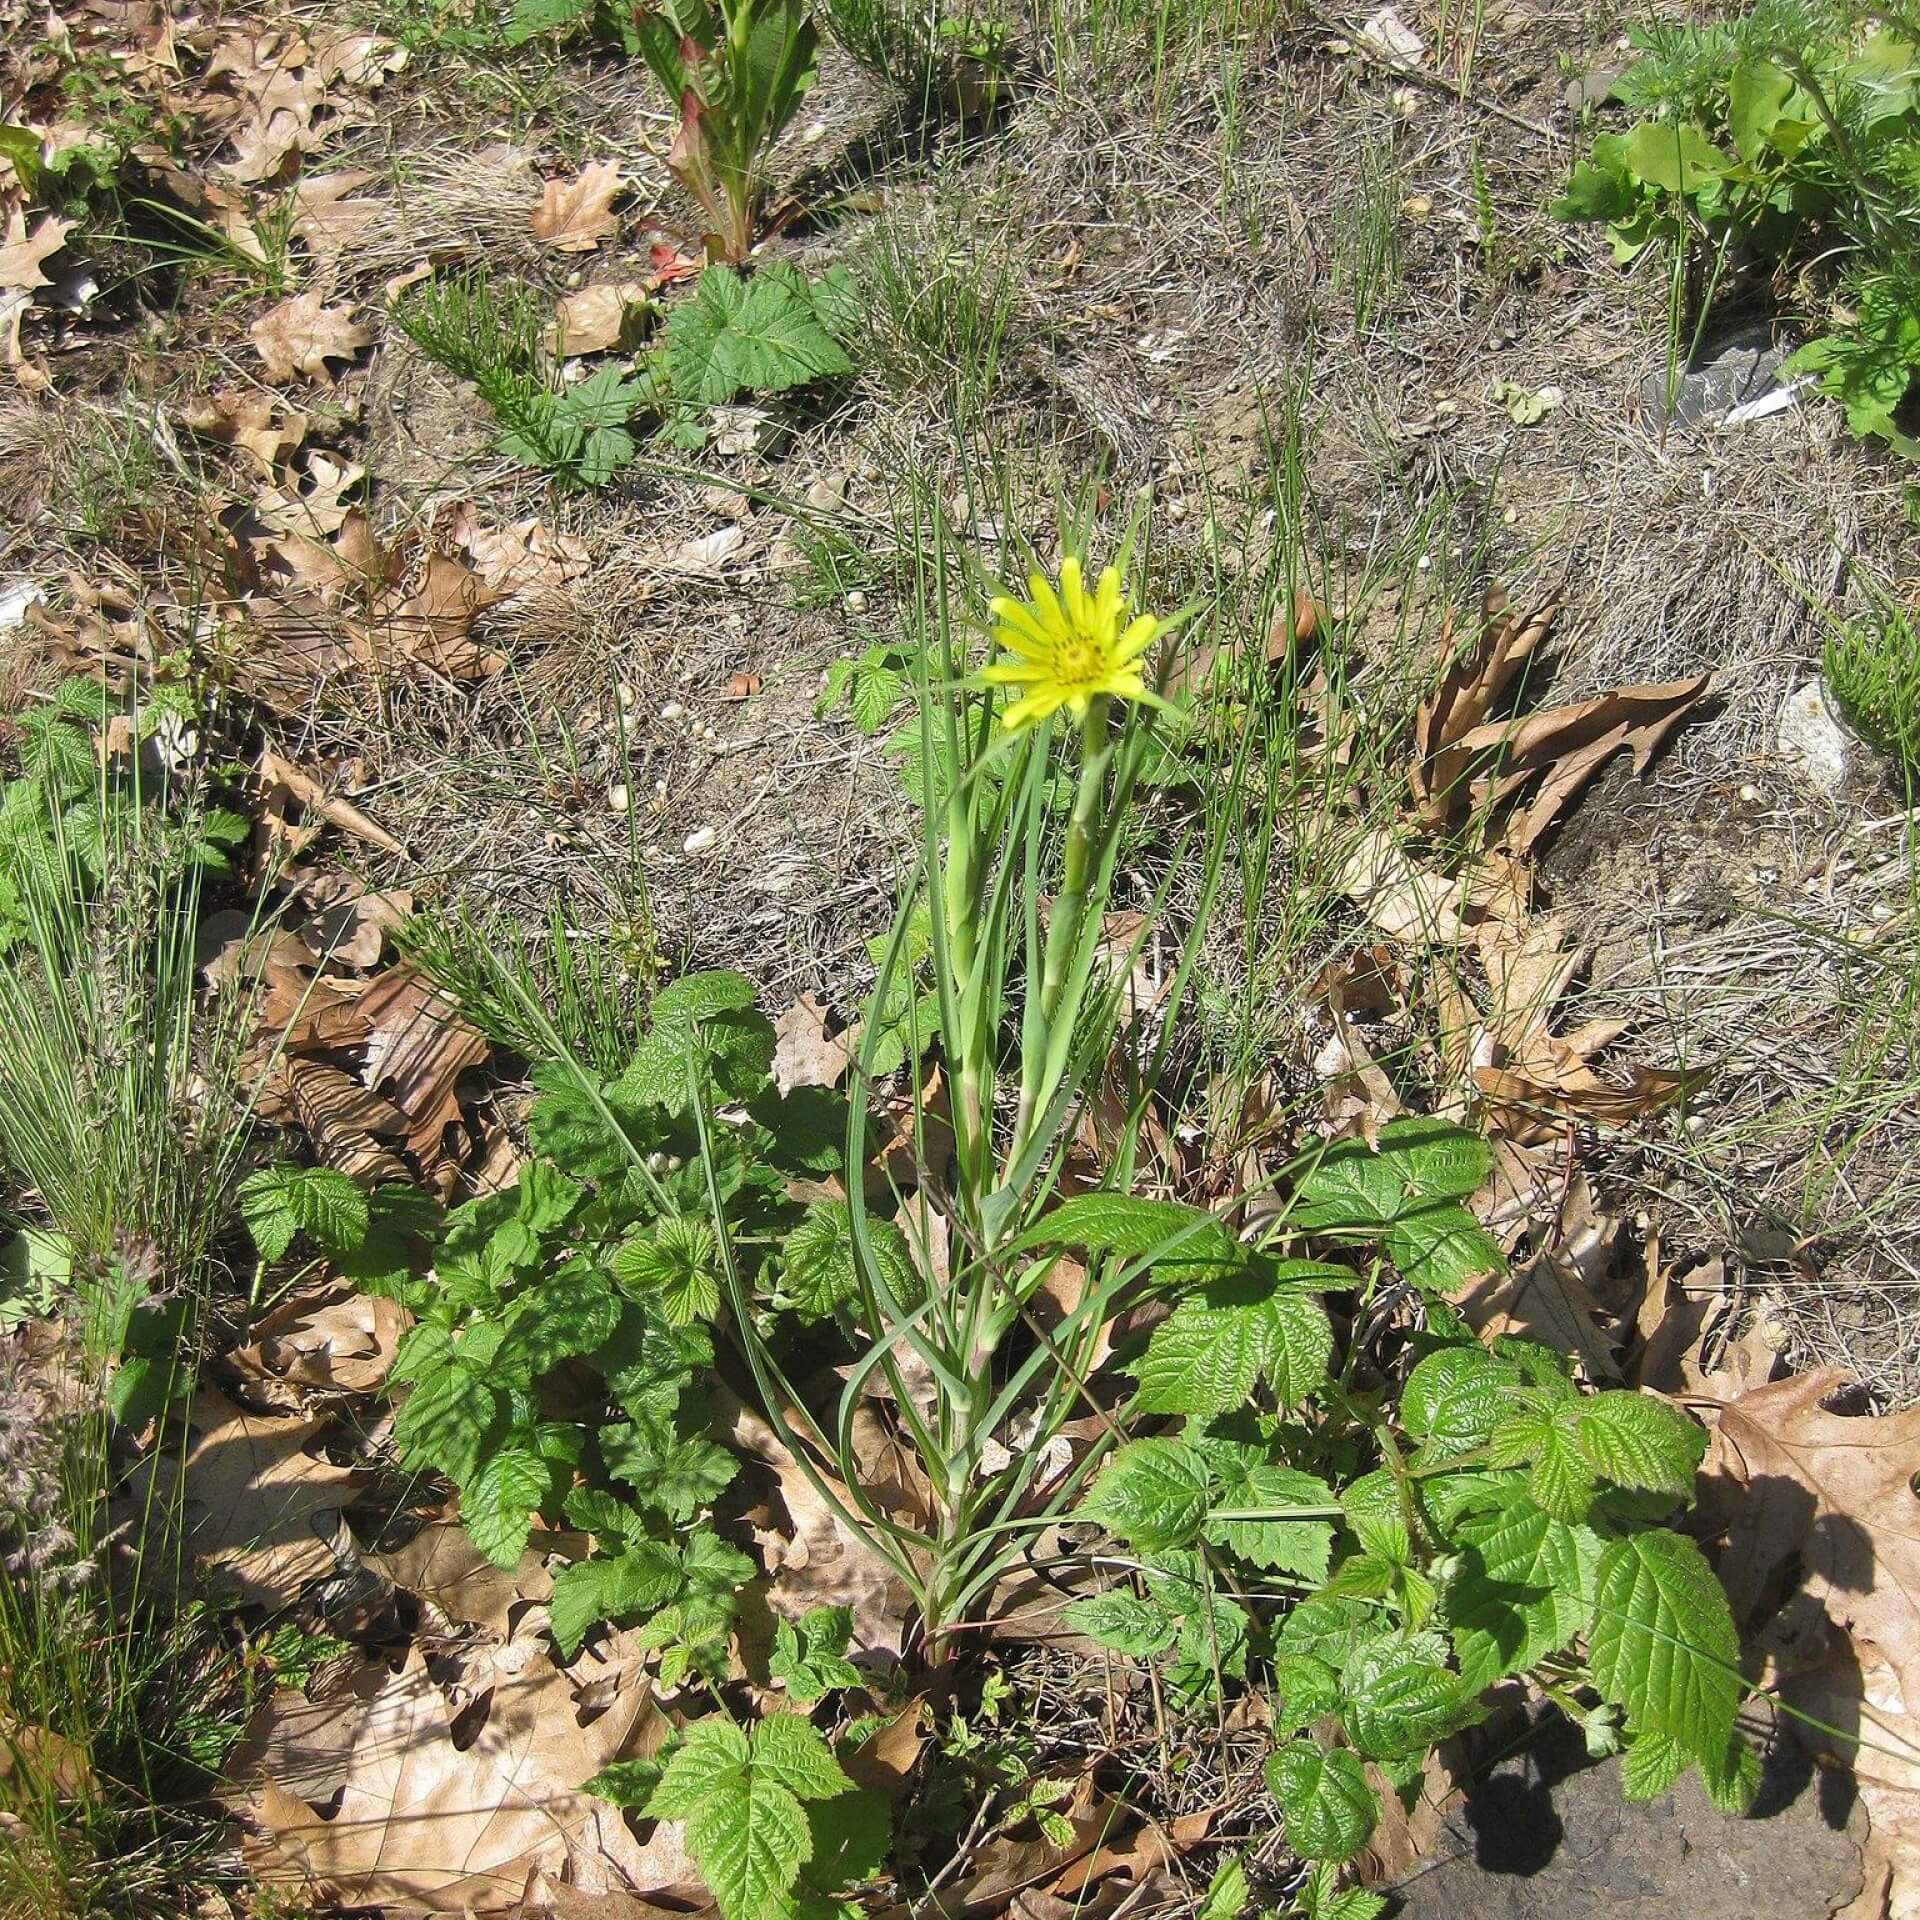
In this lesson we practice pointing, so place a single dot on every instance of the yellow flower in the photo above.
(1065, 649)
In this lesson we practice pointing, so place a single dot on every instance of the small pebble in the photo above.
(618, 798)
(1425, 561)
(628, 697)
(1416, 207)
(1751, 795)
(856, 601)
(1881, 911)
(700, 840)
(1511, 518)
(672, 711)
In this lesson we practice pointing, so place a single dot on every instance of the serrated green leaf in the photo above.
(1305, 1688)
(452, 1419)
(1329, 1808)
(533, 17)
(1226, 1893)
(679, 1475)
(675, 1261)
(760, 336)
(1301, 1546)
(712, 1753)
(1439, 1248)
(789, 1749)
(1220, 1340)
(497, 1504)
(1653, 1762)
(1332, 1627)
(1395, 1702)
(571, 1312)
(280, 1201)
(1181, 1245)
(1454, 1399)
(1415, 1163)
(817, 1271)
(1663, 1645)
(1638, 1441)
(809, 1656)
(706, 1028)
(637, 1580)
(1152, 1493)
(1125, 1622)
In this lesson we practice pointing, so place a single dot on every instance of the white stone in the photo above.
(1810, 740)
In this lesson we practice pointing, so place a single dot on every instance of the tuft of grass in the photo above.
(1872, 668)
(1366, 233)
(939, 308)
(587, 991)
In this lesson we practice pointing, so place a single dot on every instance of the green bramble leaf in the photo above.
(705, 1027)
(1224, 1337)
(1663, 1645)
(1522, 1588)
(1395, 1702)
(530, 18)
(1153, 1493)
(1227, 1893)
(643, 1577)
(1329, 1808)
(817, 1262)
(677, 1474)
(571, 1312)
(741, 1797)
(1305, 1688)
(1635, 1440)
(452, 1420)
(1246, 1483)
(736, 336)
(498, 1503)
(674, 1260)
(281, 1201)
(1323, 1898)
(1653, 1762)
(1125, 1622)
(1454, 1399)
(809, 1656)
(1182, 1246)
(1408, 1193)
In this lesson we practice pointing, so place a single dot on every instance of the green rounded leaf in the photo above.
(1330, 1810)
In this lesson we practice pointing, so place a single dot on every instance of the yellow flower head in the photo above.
(1064, 649)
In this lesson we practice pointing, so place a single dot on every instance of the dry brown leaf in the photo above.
(598, 318)
(1403, 899)
(311, 793)
(417, 1049)
(431, 1826)
(547, 1899)
(22, 253)
(330, 1336)
(317, 506)
(443, 1567)
(305, 1743)
(520, 558)
(326, 221)
(1531, 1110)
(1837, 1492)
(817, 1559)
(301, 335)
(262, 1510)
(575, 215)
(1831, 1499)
(261, 425)
(434, 624)
(803, 1055)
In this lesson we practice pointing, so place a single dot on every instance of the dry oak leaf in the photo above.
(1837, 1492)
(325, 221)
(597, 318)
(424, 1825)
(417, 1049)
(301, 335)
(803, 1055)
(575, 215)
(332, 1337)
(260, 425)
(21, 253)
(443, 1567)
(262, 1511)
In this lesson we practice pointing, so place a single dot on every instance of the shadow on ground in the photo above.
(1545, 1835)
